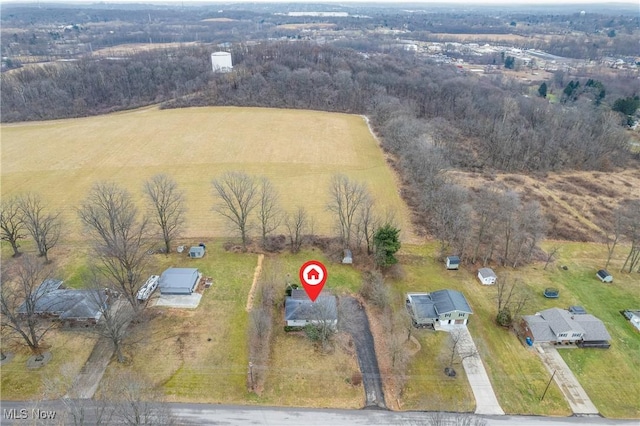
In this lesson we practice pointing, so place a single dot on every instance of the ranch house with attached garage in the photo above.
(439, 307)
(559, 326)
(179, 280)
(487, 276)
(54, 301)
(299, 310)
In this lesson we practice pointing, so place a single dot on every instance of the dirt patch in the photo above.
(37, 361)
(256, 275)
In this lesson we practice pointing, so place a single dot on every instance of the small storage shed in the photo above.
(453, 262)
(604, 276)
(196, 252)
(487, 276)
(348, 257)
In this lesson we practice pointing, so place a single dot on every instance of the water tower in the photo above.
(221, 62)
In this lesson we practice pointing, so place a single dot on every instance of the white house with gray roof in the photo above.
(560, 326)
(438, 307)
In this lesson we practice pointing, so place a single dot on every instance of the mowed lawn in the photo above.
(298, 373)
(611, 377)
(516, 373)
(299, 151)
(200, 355)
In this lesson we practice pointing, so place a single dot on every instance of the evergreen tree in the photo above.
(542, 90)
(387, 243)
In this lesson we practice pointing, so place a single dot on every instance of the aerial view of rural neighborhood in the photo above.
(320, 213)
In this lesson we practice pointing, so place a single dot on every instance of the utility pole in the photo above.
(548, 384)
(251, 375)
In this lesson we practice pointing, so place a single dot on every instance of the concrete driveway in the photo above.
(486, 401)
(573, 392)
(190, 301)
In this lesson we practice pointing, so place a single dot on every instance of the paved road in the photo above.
(572, 390)
(486, 401)
(210, 414)
(355, 322)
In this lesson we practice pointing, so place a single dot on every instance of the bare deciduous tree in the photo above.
(631, 226)
(367, 223)
(346, 199)
(167, 201)
(511, 298)
(551, 254)
(457, 348)
(21, 300)
(614, 233)
(120, 237)
(116, 315)
(438, 418)
(323, 320)
(237, 194)
(44, 227)
(269, 211)
(297, 225)
(12, 223)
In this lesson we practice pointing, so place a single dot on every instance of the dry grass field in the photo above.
(298, 151)
(133, 48)
(576, 204)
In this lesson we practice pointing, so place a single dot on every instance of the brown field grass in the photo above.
(297, 150)
(577, 204)
(309, 26)
(132, 48)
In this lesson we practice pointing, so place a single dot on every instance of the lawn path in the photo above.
(256, 275)
(574, 212)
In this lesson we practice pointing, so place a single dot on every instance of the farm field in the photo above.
(299, 151)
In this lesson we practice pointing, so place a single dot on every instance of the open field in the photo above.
(308, 26)
(486, 37)
(576, 203)
(298, 151)
(133, 48)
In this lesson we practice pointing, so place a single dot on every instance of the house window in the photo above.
(460, 314)
(575, 335)
(562, 335)
(447, 315)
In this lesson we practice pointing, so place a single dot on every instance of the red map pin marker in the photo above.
(313, 275)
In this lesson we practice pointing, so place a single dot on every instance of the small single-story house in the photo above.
(487, 276)
(560, 326)
(633, 317)
(453, 262)
(179, 280)
(196, 252)
(299, 310)
(348, 257)
(604, 276)
(438, 307)
(54, 301)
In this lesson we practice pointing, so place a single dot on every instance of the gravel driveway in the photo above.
(353, 320)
